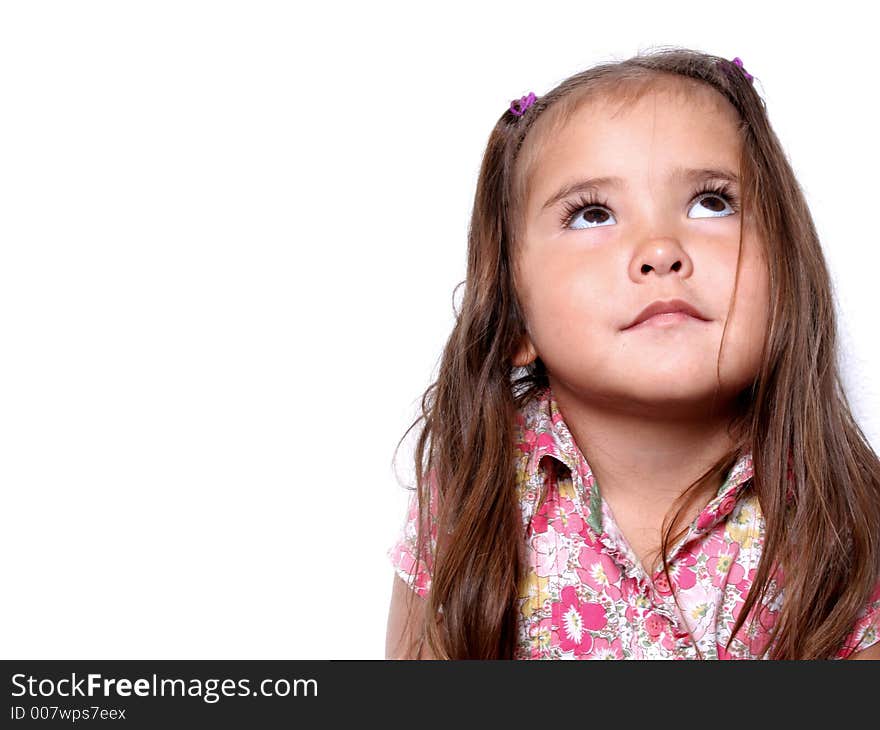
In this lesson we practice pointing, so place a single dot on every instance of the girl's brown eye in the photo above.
(714, 205)
(591, 216)
(595, 215)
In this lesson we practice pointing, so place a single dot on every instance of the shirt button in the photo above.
(654, 625)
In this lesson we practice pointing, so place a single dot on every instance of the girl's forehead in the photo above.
(655, 119)
(663, 128)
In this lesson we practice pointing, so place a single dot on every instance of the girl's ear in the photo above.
(525, 354)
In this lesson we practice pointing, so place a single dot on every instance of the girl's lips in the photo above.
(665, 320)
(676, 306)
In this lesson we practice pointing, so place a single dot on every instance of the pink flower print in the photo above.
(724, 569)
(539, 520)
(714, 544)
(528, 441)
(542, 637)
(544, 444)
(757, 641)
(746, 583)
(587, 535)
(630, 591)
(558, 511)
(750, 629)
(551, 554)
(544, 516)
(727, 505)
(681, 573)
(584, 471)
(755, 632)
(603, 649)
(723, 654)
(734, 613)
(706, 518)
(768, 617)
(699, 609)
(599, 571)
(575, 619)
(564, 517)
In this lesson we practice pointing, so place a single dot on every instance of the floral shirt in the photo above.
(585, 594)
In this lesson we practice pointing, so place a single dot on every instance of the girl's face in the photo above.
(584, 273)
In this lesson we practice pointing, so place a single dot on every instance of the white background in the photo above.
(230, 234)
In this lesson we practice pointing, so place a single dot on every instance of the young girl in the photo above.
(638, 445)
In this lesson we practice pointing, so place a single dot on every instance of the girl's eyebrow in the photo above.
(687, 174)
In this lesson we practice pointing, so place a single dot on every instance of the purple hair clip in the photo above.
(739, 64)
(738, 61)
(519, 106)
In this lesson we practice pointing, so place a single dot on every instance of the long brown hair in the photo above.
(824, 534)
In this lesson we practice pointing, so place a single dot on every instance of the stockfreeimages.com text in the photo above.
(210, 690)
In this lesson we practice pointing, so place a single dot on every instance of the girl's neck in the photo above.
(645, 458)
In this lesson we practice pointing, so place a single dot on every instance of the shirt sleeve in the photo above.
(867, 629)
(402, 554)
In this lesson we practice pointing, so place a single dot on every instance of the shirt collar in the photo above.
(547, 435)
(725, 500)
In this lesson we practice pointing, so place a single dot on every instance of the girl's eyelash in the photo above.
(721, 189)
(570, 208)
